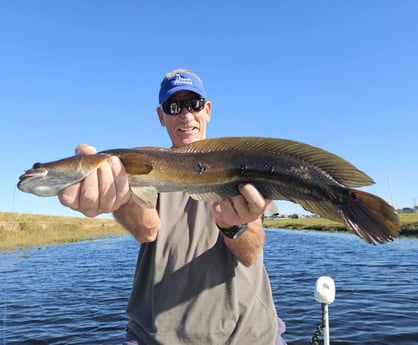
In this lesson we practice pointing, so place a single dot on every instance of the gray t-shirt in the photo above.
(190, 289)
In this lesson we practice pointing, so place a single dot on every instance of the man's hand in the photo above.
(248, 207)
(240, 209)
(103, 191)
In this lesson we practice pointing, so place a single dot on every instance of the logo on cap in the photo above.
(182, 80)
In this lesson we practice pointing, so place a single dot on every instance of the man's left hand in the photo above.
(240, 209)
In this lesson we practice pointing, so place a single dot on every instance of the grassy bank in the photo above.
(27, 230)
(409, 223)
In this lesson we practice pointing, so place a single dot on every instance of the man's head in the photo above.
(183, 109)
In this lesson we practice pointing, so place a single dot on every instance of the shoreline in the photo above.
(409, 224)
(18, 230)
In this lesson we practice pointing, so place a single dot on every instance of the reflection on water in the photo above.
(77, 293)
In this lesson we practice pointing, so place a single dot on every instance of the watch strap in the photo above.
(234, 231)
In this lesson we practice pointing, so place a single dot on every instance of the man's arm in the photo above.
(248, 246)
(248, 207)
(142, 223)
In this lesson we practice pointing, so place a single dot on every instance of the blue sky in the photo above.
(341, 75)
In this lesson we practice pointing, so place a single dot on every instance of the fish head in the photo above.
(40, 181)
(48, 179)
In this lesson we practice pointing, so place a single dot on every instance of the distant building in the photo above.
(408, 210)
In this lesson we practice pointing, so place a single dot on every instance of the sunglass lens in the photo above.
(172, 108)
(175, 107)
(196, 104)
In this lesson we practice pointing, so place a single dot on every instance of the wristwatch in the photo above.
(234, 231)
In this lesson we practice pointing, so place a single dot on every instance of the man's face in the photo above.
(186, 127)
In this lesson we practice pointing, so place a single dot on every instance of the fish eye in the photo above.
(37, 165)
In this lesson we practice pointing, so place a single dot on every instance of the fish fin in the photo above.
(336, 167)
(215, 194)
(136, 163)
(133, 161)
(323, 208)
(144, 196)
(370, 217)
(206, 196)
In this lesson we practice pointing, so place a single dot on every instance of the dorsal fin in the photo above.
(338, 168)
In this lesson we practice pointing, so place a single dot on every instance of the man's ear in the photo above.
(208, 106)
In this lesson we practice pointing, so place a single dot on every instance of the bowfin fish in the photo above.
(280, 169)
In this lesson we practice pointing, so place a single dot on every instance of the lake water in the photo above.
(76, 293)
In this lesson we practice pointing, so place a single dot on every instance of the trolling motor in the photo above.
(324, 294)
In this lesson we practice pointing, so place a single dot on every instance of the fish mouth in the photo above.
(25, 180)
(33, 173)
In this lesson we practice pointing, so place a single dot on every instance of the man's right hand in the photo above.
(103, 191)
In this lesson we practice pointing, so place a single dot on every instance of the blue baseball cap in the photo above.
(184, 80)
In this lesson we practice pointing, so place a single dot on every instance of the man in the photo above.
(200, 277)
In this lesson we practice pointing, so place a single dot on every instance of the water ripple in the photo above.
(77, 293)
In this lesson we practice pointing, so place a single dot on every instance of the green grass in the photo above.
(409, 224)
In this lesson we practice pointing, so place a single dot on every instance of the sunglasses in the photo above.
(175, 107)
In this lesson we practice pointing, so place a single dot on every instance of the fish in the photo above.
(321, 182)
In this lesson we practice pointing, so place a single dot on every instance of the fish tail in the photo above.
(369, 216)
